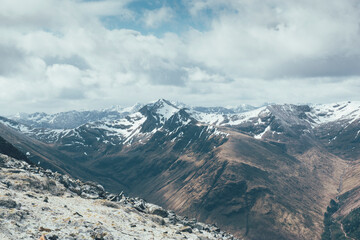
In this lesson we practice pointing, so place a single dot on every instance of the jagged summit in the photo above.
(161, 110)
(162, 106)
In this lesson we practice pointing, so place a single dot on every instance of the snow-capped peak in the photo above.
(163, 108)
(325, 113)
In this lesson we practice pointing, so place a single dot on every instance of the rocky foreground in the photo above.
(40, 204)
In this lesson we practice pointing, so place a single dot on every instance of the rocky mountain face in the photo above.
(41, 204)
(268, 173)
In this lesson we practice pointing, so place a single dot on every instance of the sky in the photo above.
(59, 55)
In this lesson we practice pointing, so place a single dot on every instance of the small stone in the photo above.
(46, 199)
(214, 229)
(45, 209)
(186, 229)
(139, 205)
(53, 237)
(78, 214)
(7, 203)
(42, 229)
(113, 198)
(157, 210)
(158, 220)
(199, 226)
(98, 234)
(30, 195)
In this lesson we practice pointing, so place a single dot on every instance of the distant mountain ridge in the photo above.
(270, 171)
(73, 119)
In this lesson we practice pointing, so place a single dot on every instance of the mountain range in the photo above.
(274, 172)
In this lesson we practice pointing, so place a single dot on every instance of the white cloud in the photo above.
(57, 55)
(195, 74)
(57, 15)
(157, 17)
(262, 40)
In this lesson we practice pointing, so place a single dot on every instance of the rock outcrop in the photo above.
(41, 204)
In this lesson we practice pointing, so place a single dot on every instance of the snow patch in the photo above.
(357, 134)
(259, 136)
(326, 113)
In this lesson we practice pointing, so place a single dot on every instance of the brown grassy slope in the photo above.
(349, 191)
(253, 188)
(41, 152)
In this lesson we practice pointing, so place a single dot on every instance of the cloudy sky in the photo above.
(58, 55)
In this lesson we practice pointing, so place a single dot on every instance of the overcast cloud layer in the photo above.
(58, 55)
